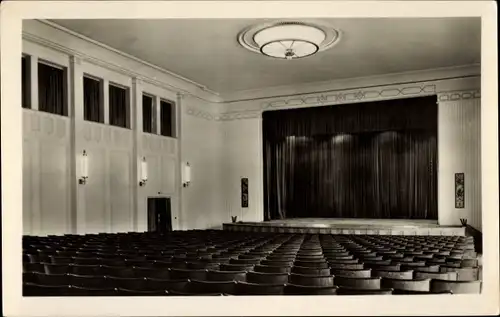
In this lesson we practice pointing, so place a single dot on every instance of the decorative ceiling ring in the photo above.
(288, 39)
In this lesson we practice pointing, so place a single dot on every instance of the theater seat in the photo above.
(202, 287)
(446, 276)
(293, 289)
(170, 285)
(342, 290)
(403, 292)
(34, 289)
(407, 285)
(358, 282)
(272, 269)
(226, 275)
(310, 270)
(311, 280)
(401, 275)
(130, 292)
(457, 287)
(267, 278)
(352, 273)
(246, 288)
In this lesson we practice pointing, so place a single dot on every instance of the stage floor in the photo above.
(348, 226)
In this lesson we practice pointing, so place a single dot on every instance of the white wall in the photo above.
(202, 146)
(46, 170)
(460, 152)
(112, 200)
(458, 139)
(243, 158)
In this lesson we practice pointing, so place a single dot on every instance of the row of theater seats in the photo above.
(233, 263)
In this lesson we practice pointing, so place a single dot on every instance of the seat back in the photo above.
(427, 268)
(34, 289)
(178, 274)
(446, 276)
(457, 287)
(267, 278)
(401, 275)
(293, 289)
(91, 281)
(169, 285)
(117, 271)
(311, 280)
(134, 292)
(51, 268)
(202, 266)
(226, 275)
(349, 266)
(407, 285)
(463, 274)
(272, 269)
(276, 263)
(202, 287)
(358, 282)
(352, 273)
(51, 279)
(132, 283)
(95, 291)
(237, 267)
(360, 291)
(245, 261)
(87, 269)
(310, 270)
(246, 288)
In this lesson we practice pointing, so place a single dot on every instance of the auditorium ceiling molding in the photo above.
(354, 48)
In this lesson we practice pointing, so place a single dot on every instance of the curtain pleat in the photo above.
(51, 90)
(367, 173)
(92, 106)
(118, 107)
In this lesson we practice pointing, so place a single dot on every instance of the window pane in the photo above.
(93, 109)
(118, 107)
(25, 82)
(166, 118)
(51, 90)
(148, 114)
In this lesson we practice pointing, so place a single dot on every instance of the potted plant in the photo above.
(234, 218)
(463, 221)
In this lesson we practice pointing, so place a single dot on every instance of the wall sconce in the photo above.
(84, 161)
(186, 174)
(144, 172)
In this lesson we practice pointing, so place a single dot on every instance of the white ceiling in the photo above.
(207, 51)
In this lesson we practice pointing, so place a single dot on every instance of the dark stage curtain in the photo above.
(371, 160)
(92, 105)
(118, 107)
(51, 90)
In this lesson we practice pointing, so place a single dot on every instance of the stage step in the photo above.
(346, 230)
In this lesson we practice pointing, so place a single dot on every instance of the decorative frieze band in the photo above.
(350, 96)
(202, 114)
(459, 95)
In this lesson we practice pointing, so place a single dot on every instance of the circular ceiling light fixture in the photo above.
(288, 40)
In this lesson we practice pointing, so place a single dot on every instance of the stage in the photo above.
(349, 226)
